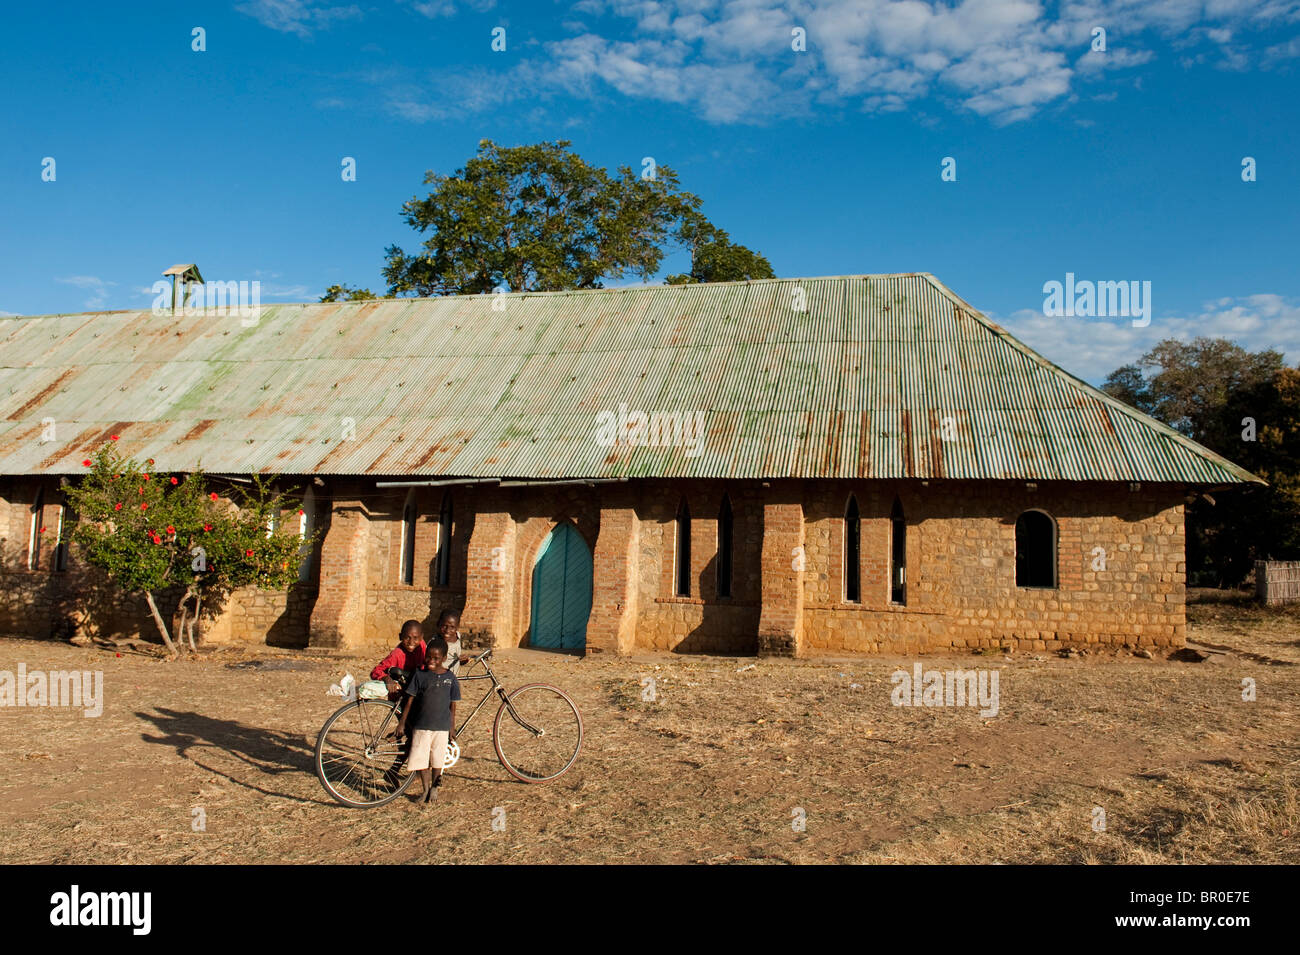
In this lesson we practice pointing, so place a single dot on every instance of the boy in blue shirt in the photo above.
(434, 692)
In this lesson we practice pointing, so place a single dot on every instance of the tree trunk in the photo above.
(180, 627)
(162, 627)
(194, 621)
(184, 608)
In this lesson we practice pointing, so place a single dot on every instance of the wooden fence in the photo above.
(1277, 581)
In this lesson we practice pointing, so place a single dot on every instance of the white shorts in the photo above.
(428, 750)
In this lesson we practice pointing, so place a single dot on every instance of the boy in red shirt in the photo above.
(408, 655)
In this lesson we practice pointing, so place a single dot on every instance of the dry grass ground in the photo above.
(713, 770)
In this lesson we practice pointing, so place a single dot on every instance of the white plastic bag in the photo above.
(346, 688)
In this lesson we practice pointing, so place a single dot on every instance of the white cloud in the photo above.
(299, 17)
(1092, 348)
(732, 61)
(1004, 59)
(293, 293)
(97, 287)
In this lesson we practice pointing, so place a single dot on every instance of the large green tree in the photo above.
(1246, 406)
(541, 218)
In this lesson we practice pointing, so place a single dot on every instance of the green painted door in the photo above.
(561, 591)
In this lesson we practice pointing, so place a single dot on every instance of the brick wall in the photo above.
(787, 580)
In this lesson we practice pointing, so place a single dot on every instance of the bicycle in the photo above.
(537, 735)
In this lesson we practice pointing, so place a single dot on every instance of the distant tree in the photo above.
(1189, 385)
(345, 293)
(150, 531)
(1246, 406)
(540, 218)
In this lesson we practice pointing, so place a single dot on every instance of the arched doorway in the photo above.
(561, 591)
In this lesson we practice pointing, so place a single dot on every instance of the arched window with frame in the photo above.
(442, 562)
(897, 554)
(682, 581)
(1035, 550)
(724, 547)
(852, 552)
(410, 514)
(34, 530)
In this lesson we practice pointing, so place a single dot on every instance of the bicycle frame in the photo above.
(500, 691)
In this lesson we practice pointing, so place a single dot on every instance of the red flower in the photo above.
(86, 463)
(144, 507)
(117, 506)
(146, 477)
(151, 460)
(170, 529)
(248, 553)
(300, 512)
(174, 481)
(213, 495)
(42, 530)
(112, 437)
(141, 490)
(207, 527)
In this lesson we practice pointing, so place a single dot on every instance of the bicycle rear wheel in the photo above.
(355, 763)
(537, 733)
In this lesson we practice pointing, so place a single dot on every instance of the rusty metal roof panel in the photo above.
(866, 376)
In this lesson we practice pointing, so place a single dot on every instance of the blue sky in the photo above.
(1117, 165)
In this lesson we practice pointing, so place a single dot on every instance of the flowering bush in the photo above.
(180, 534)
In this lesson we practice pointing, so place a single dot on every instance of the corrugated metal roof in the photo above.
(857, 385)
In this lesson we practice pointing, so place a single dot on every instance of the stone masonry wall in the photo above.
(961, 589)
(787, 579)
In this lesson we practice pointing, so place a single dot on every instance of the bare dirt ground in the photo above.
(718, 768)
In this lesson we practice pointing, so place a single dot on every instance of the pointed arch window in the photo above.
(724, 547)
(1035, 550)
(34, 532)
(897, 554)
(682, 583)
(306, 528)
(442, 562)
(62, 538)
(410, 514)
(852, 552)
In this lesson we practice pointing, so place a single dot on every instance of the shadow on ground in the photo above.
(270, 753)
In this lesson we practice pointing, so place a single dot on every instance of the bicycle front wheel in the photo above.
(537, 733)
(355, 761)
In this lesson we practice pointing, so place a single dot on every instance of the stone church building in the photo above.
(854, 463)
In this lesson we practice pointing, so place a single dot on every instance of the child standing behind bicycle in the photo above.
(449, 630)
(433, 694)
